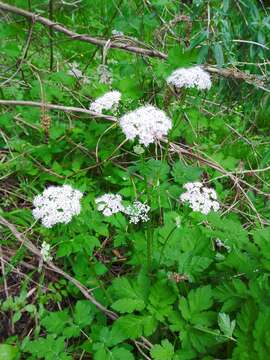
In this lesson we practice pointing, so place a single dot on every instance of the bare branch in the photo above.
(75, 36)
(57, 107)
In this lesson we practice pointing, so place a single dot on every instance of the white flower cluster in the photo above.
(45, 252)
(109, 204)
(147, 122)
(190, 77)
(137, 212)
(57, 204)
(200, 198)
(106, 102)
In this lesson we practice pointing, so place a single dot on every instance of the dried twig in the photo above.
(238, 75)
(57, 107)
(75, 36)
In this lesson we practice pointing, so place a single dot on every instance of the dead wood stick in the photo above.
(82, 37)
(56, 107)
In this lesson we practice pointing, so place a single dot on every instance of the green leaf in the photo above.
(183, 173)
(218, 54)
(84, 313)
(155, 170)
(128, 305)
(120, 353)
(179, 57)
(130, 295)
(197, 301)
(8, 352)
(225, 324)
(126, 327)
(192, 265)
(55, 322)
(131, 327)
(164, 351)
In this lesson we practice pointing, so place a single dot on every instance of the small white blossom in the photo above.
(137, 212)
(117, 33)
(106, 102)
(190, 77)
(57, 204)
(109, 204)
(200, 198)
(147, 122)
(45, 252)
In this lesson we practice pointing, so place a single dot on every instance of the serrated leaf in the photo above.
(84, 313)
(193, 307)
(128, 305)
(183, 173)
(225, 324)
(120, 353)
(131, 327)
(164, 351)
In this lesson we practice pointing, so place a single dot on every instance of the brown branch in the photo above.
(75, 36)
(57, 107)
(237, 75)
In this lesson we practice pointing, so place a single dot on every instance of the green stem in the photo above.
(149, 234)
(165, 243)
(51, 34)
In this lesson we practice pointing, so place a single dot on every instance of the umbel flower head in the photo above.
(106, 102)
(137, 212)
(109, 204)
(200, 198)
(147, 122)
(57, 204)
(190, 77)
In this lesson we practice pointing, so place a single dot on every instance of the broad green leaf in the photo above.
(8, 352)
(128, 305)
(84, 313)
(183, 173)
(164, 351)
